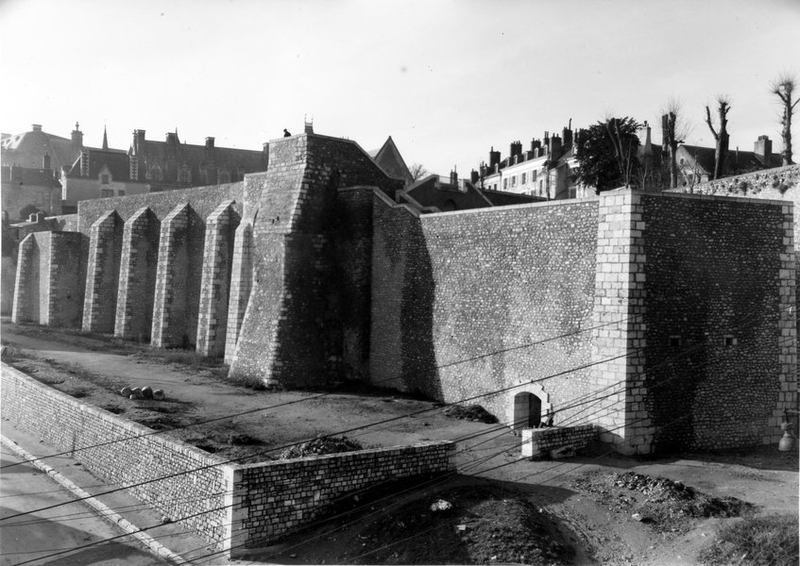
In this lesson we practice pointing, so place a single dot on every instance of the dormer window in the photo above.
(105, 179)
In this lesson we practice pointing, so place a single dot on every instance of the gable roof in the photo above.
(389, 159)
(736, 161)
(115, 160)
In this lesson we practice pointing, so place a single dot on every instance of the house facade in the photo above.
(549, 169)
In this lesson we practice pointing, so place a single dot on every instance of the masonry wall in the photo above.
(720, 319)
(292, 326)
(203, 201)
(124, 454)
(468, 303)
(541, 441)
(279, 497)
(234, 507)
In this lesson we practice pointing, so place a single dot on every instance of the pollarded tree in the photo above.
(721, 136)
(674, 131)
(607, 154)
(783, 87)
(418, 171)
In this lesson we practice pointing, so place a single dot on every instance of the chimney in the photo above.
(209, 143)
(516, 150)
(138, 142)
(265, 156)
(567, 136)
(309, 126)
(474, 176)
(494, 157)
(647, 146)
(536, 147)
(85, 163)
(454, 177)
(172, 139)
(763, 150)
(38, 127)
(77, 135)
(46, 161)
(555, 147)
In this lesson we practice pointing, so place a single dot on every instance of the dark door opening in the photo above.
(527, 410)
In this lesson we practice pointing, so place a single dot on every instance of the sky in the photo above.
(447, 79)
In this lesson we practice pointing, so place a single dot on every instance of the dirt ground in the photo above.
(585, 524)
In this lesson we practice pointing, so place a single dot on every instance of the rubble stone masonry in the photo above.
(234, 507)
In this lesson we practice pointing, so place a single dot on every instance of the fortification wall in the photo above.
(501, 299)
(234, 507)
(292, 327)
(174, 478)
(720, 319)
(203, 201)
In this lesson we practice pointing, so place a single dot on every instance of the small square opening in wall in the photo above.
(675, 341)
(730, 340)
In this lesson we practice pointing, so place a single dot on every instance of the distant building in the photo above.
(389, 159)
(549, 169)
(152, 166)
(696, 164)
(31, 161)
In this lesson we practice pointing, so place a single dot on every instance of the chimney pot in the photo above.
(36, 127)
(209, 143)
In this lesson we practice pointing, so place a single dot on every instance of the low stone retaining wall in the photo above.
(543, 441)
(235, 507)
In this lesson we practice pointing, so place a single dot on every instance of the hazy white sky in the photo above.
(446, 79)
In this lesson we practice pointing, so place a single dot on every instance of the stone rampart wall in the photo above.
(125, 454)
(203, 201)
(720, 319)
(234, 507)
(279, 497)
(468, 303)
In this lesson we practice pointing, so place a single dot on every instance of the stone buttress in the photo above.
(215, 283)
(105, 242)
(618, 337)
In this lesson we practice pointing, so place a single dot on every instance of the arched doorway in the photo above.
(527, 410)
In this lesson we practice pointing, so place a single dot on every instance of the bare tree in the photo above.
(721, 136)
(783, 87)
(675, 129)
(418, 171)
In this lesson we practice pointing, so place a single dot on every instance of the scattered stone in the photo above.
(158, 394)
(636, 517)
(125, 391)
(441, 505)
(147, 392)
(136, 392)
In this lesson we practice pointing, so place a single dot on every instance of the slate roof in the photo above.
(157, 152)
(115, 160)
(736, 161)
(27, 149)
(27, 176)
(389, 159)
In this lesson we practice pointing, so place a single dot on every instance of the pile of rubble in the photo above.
(319, 446)
(474, 413)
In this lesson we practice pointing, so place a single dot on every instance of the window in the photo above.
(730, 340)
(514, 181)
(533, 176)
(121, 193)
(104, 179)
(524, 179)
(505, 184)
(675, 341)
(105, 193)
